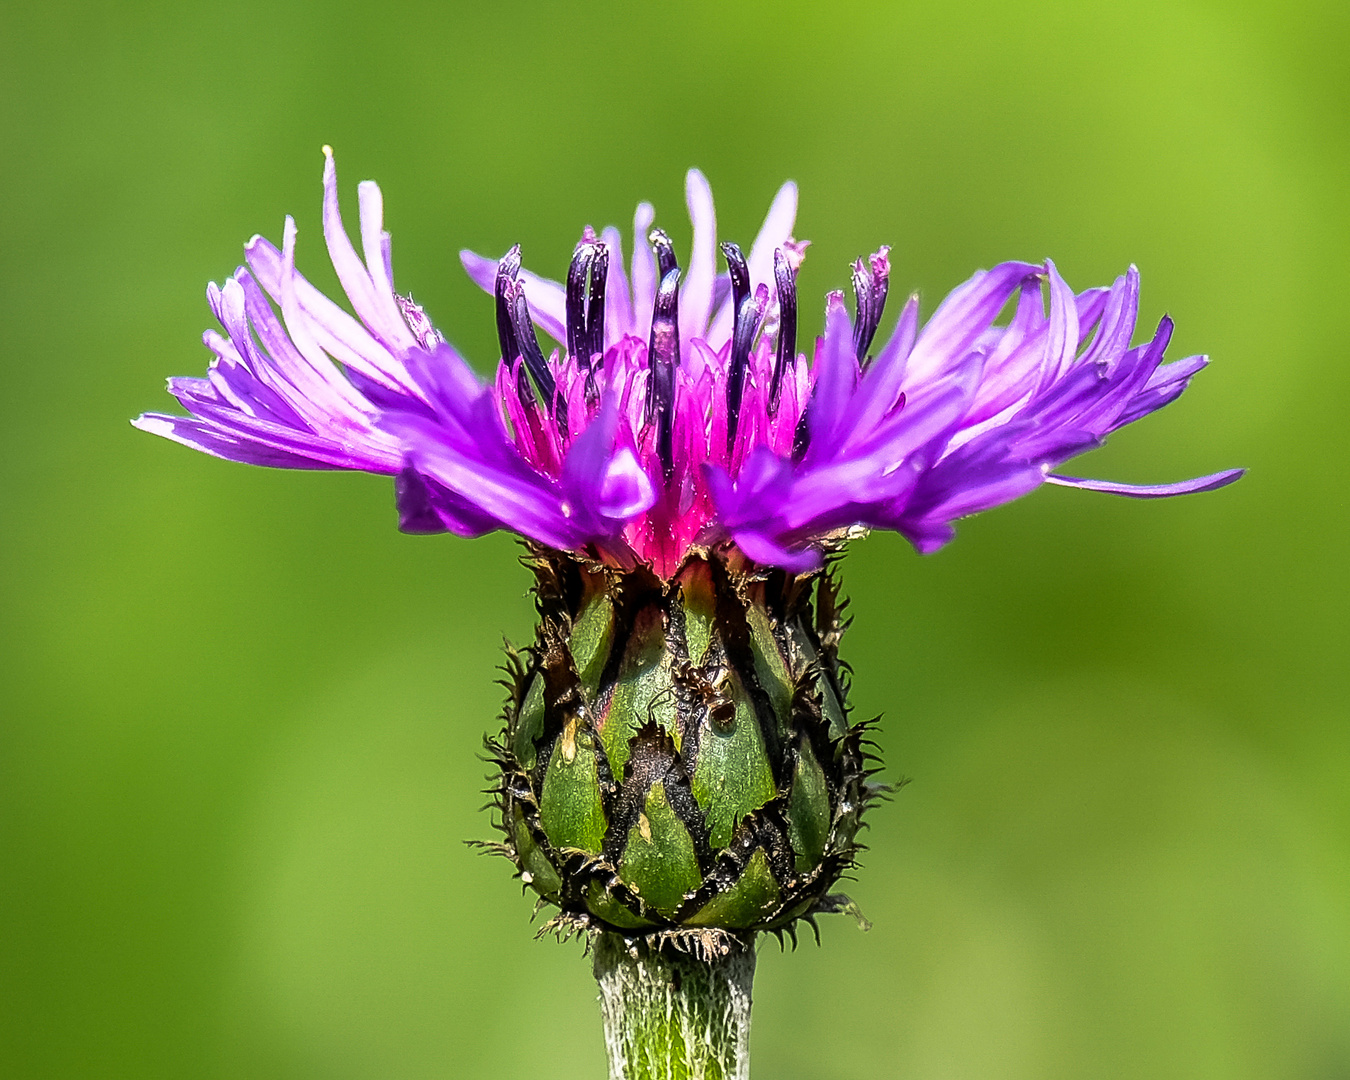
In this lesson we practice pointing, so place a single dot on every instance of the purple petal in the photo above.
(1212, 482)
(602, 480)
(336, 332)
(962, 317)
(374, 305)
(644, 270)
(1062, 339)
(836, 378)
(773, 234)
(763, 549)
(696, 295)
(412, 497)
(200, 436)
(618, 301)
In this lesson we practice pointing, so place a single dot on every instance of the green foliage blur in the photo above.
(240, 714)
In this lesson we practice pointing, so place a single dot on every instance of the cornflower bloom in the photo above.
(677, 769)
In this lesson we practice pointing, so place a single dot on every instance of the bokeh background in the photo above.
(240, 713)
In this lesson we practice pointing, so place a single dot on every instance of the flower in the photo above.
(677, 416)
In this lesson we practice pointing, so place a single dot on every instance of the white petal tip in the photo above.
(153, 424)
(696, 183)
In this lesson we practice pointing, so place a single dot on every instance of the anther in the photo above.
(663, 359)
(532, 354)
(665, 252)
(595, 305)
(749, 310)
(871, 281)
(785, 278)
(595, 320)
(742, 338)
(507, 269)
(739, 273)
(577, 274)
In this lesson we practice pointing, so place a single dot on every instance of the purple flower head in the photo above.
(675, 412)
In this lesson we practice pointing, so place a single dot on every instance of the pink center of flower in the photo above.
(681, 405)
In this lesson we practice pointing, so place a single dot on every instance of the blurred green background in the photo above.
(240, 713)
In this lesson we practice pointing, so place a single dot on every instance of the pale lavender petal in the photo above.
(1062, 340)
(1212, 482)
(763, 549)
(375, 243)
(618, 301)
(371, 307)
(336, 332)
(773, 234)
(961, 318)
(1117, 321)
(201, 436)
(696, 294)
(644, 270)
(1090, 303)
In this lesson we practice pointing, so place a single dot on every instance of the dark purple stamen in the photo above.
(595, 305)
(871, 281)
(525, 392)
(594, 338)
(785, 277)
(507, 269)
(532, 354)
(663, 359)
(665, 252)
(742, 338)
(739, 273)
(747, 322)
(577, 275)
(801, 438)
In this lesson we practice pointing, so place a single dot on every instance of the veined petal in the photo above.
(373, 303)
(337, 333)
(961, 318)
(202, 436)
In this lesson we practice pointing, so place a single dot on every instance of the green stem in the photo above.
(671, 1017)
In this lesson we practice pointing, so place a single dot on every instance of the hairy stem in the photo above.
(669, 1016)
